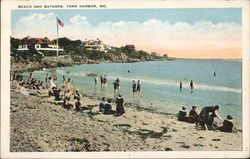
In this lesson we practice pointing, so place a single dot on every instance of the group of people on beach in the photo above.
(103, 80)
(191, 85)
(206, 118)
(71, 97)
(105, 106)
(136, 87)
(22, 85)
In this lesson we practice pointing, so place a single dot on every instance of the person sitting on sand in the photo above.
(68, 85)
(193, 115)
(182, 114)
(32, 82)
(52, 84)
(108, 108)
(36, 84)
(21, 89)
(119, 105)
(204, 114)
(77, 94)
(68, 103)
(50, 91)
(228, 125)
(102, 105)
(41, 85)
(56, 93)
(78, 105)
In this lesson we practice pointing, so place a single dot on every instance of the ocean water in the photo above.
(160, 83)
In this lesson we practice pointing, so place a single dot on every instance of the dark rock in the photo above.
(168, 149)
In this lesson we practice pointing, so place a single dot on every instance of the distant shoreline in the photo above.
(53, 63)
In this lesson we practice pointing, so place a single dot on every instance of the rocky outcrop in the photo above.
(22, 65)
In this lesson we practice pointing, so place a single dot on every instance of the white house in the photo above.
(39, 44)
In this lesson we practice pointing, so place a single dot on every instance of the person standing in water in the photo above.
(101, 78)
(118, 83)
(138, 88)
(30, 75)
(105, 81)
(134, 87)
(180, 85)
(96, 81)
(214, 74)
(192, 85)
(46, 78)
(115, 86)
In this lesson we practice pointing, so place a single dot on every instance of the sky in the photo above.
(184, 33)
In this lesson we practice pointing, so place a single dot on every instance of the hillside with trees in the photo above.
(75, 50)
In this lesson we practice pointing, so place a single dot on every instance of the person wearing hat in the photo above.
(182, 114)
(228, 125)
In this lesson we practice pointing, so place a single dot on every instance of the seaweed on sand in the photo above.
(144, 133)
(80, 144)
(122, 125)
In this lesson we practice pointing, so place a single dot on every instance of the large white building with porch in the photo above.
(39, 44)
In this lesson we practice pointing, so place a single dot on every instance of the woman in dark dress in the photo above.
(228, 125)
(119, 105)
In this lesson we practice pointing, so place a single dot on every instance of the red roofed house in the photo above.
(39, 44)
(130, 47)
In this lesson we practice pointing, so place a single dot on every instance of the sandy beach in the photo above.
(39, 125)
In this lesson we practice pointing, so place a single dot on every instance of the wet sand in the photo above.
(37, 125)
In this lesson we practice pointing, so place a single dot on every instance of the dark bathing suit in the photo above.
(138, 87)
(134, 87)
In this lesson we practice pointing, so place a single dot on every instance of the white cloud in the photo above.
(35, 25)
(153, 33)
